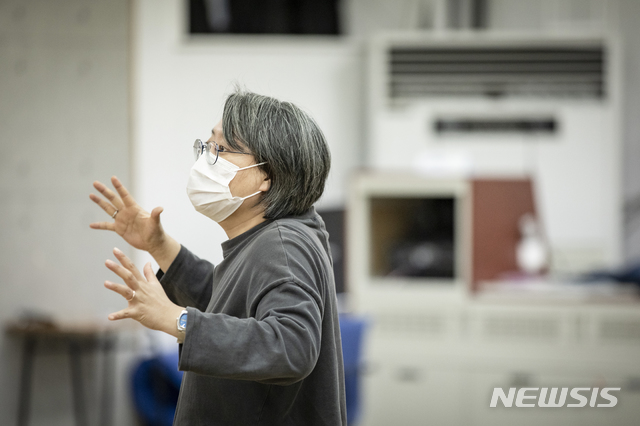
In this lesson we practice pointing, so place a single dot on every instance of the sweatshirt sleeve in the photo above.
(188, 281)
(279, 346)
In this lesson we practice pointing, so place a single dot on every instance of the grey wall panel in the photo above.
(64, 117)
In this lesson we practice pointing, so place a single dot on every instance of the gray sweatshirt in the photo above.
(262, 344)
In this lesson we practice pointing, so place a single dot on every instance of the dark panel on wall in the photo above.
(264, 16)
(334, 221)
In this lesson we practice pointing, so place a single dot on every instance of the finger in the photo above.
(155, 214)
(127, 263)
(121, 289)
(106, 226)
(148, 272)
(109, 194)
(107, 207)
(125, 313)
(127, 199)
(124, 273)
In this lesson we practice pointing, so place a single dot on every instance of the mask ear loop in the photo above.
(248, 167)
(253, 165)
(249, 196)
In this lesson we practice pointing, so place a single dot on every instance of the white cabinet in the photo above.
(406, 391)
(439, 365)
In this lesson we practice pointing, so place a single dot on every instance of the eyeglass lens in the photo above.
(197, 149)
(209, 149)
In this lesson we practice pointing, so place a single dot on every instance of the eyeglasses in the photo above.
(211, 150)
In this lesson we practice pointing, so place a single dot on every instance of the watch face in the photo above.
(183, 320)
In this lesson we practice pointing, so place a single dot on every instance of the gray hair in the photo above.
(288, 140)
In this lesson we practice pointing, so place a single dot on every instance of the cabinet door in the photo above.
(411, 395)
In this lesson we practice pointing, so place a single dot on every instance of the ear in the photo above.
(265, 185)
(266, 181)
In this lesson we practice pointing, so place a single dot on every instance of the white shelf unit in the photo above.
(371, 290)
(434, 352)
(439, 365)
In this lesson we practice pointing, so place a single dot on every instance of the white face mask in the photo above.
(208, 188)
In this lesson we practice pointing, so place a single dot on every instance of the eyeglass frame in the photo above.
(201, 147)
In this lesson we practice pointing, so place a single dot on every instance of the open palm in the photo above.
(135, 225)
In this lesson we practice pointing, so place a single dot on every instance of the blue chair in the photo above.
(156, 384)
(352, 329)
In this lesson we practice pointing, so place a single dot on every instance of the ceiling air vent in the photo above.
(496, 71)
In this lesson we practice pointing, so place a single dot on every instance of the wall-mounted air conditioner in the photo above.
(484, 105)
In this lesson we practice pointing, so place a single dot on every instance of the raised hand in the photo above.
(147, 301)
(135, 225)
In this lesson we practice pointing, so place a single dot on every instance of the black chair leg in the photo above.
(76, 382)
(107, 381)
(28, 353)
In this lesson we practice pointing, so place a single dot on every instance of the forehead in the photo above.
(217, 130)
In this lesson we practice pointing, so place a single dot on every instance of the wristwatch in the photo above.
(181, 322)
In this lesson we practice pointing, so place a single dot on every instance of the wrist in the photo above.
(159, 246)
(165, 252)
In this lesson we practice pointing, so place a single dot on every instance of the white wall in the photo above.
(629, 14)
(63, 124)
(179, 89)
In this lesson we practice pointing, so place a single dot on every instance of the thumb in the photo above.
(148, 272)
(155, 214)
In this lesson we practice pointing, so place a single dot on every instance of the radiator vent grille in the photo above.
(620, 330)
(423, 324)
(490, 71)
(499, 327)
